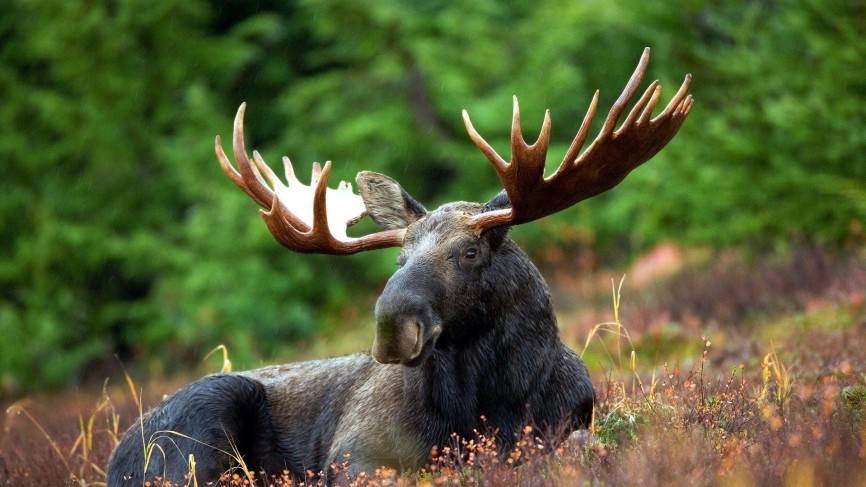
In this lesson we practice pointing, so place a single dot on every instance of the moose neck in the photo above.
(507, 356)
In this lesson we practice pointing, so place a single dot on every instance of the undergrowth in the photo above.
(789, 410)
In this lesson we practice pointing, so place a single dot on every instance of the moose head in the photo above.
(453, 260)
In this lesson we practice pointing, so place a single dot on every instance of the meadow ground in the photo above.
(709, 369)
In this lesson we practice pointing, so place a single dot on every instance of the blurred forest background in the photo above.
(121, 236)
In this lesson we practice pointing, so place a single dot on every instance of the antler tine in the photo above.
(517, 142)
(579, 139)
(638, 107)
(648, 110)
(289, 171)
(676, 119)
(229, 170)
(235, 176)
(675, 101)
(266, 170)
(252, 180)
(320, 205)
(497, 160)
(527, 161)
(626, 95)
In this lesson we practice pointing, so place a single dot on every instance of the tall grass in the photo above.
(82, 467)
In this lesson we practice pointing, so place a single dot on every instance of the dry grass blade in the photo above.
(616, 329)
(227, 364)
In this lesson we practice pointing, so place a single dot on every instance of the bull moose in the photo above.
(465, 327)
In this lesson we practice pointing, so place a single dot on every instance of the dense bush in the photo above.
(120, 234)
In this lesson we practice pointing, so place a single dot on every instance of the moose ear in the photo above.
(498, 202)
(388, 204)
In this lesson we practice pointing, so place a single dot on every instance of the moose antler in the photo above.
(309, 219)
(607, 161)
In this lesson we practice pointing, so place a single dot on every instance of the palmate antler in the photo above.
(309, 219)
(610, 157)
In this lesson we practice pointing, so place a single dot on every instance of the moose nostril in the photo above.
(398, 341)
(416, 343)
(408, 339)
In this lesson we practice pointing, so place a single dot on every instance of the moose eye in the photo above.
(470, 253)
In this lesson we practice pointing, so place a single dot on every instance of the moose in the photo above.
(465, 329)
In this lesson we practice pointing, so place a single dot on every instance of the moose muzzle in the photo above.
(398, 342)
(407, 327)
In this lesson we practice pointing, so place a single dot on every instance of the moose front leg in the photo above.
(371, 434)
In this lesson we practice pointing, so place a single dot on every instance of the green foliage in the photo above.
(121, 235)
(618, 427)
(854, 402)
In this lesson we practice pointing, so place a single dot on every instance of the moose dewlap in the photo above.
(465, 328)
